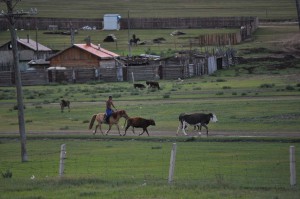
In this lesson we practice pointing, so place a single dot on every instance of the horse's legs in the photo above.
(100, 127)
(118, 129)
(109, 127)
(133, 130)
(96, 129)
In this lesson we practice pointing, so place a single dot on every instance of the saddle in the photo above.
(106, 119)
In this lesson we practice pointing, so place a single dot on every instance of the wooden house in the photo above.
(84, 56)
(28, 50)
(84, 62)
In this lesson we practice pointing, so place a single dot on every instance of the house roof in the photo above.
(97, 50)
(32, 45)
(93, 49)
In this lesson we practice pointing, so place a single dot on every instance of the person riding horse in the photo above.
(109, 111)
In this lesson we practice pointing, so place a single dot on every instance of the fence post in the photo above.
(62, 160)
(292, 166)
(172, 163)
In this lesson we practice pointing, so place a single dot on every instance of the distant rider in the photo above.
(109, 111)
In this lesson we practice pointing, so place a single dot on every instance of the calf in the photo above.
(63, 104)
(200, 119)
(152, 84)
(140, 86)
(138, 122)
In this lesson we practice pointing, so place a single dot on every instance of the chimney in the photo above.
(99, 46)
(88, 40)
(27, 38)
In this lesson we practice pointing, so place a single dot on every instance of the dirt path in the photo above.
(173, 133)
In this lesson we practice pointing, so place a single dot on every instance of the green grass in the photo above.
(245, 105)
(267, 9)
(139, 169)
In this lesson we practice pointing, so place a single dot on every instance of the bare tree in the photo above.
(11, 18)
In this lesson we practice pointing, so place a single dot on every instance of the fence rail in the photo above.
(135, 23)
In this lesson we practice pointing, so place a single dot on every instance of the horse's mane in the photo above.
(119, 112)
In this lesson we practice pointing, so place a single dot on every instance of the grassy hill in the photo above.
(264, 9)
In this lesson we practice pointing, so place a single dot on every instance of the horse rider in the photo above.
(109, 111)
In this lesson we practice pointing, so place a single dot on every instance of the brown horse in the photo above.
(113, 119)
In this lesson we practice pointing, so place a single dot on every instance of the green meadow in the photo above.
(260, 102)
(246, 154)
(266, 9)
(133, 168)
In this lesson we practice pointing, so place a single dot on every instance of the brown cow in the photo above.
(138, 122)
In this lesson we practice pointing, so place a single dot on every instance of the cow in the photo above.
(152, 84)
(196, 119)
(138, 122)
(63, 104)
(140, 86)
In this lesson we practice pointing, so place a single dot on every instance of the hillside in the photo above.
(264, 9)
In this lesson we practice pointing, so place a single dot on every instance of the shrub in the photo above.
(166, 95)
(290, 88)
(197, 88)
(226, 87)
(16, 107)
(267, 85)
(7, 174)
(220, 80)
(64, 128)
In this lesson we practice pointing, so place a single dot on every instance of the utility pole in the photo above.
(298, 11)
(11, 16)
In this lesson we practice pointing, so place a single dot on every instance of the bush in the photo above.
(220, 80)
(267, 85)
(166, 95)
(7, 174)
(226, 87)
(16, 107)
(289, 88)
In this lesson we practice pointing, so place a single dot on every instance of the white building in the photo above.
(111, 22)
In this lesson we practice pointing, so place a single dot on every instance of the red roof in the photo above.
(97, 50)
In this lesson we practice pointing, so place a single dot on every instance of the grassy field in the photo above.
(133, 168)
(266, 9)
(264, 104)
(266, 101)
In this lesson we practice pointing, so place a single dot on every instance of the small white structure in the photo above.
(111, 22)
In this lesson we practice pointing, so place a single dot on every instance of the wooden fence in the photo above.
(135, 23)
(183, 66)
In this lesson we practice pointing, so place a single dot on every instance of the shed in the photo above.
(111, 22)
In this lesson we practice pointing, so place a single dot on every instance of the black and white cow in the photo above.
(201, 119)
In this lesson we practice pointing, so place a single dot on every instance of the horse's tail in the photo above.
(92, 121)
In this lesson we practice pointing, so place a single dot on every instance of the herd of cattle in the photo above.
(198, 120)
